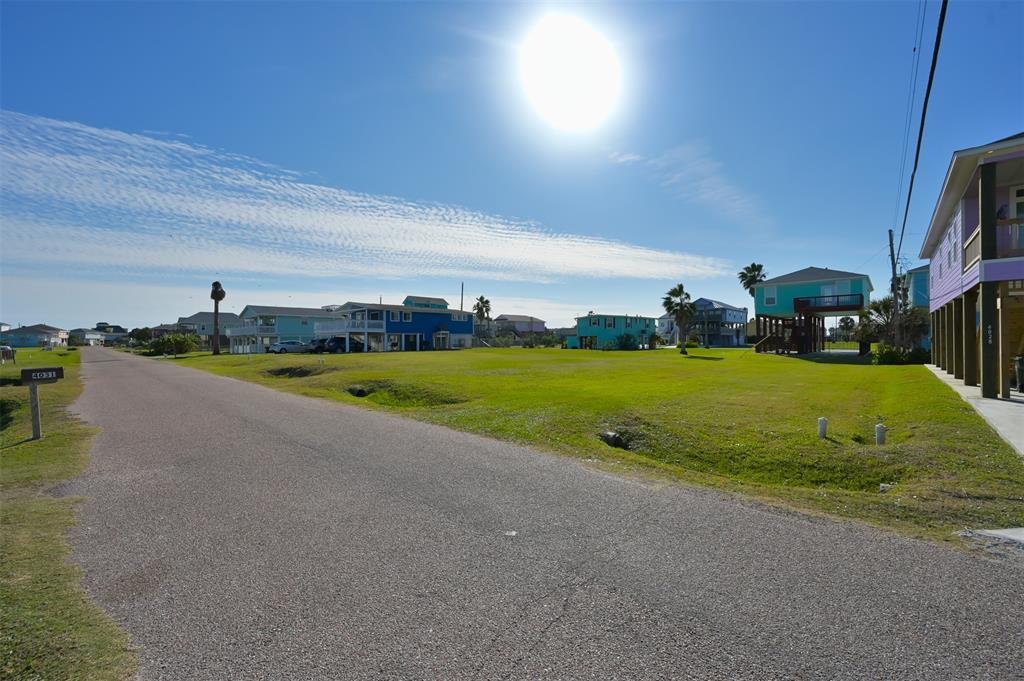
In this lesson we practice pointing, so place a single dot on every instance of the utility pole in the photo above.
(894, 287)
(462, 296)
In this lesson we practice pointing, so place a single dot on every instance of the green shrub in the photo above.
(888, 354)
(173, 344)
(627, 341)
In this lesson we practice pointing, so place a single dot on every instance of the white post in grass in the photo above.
(880, 434)
(822, 427)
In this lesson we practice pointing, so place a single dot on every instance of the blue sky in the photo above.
(314, 153)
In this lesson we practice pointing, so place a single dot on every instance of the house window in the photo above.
(305, 322)
(609, 322)
(407, 316)
(770, 295)
(629, 322)
(595, 321)
(1017, 202)
(394, 315)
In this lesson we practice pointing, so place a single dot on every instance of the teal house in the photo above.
(260, 326)
(915, 281)
(602, 331)
(790, 310)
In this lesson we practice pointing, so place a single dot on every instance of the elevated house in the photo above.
(86, 337)
(915, 282)
(359, 327)
(520, 325)
(602, 331)
(201, 324)
(975, 248)
(790, 310)
(720, 324)
(260, 326)
(35, 336)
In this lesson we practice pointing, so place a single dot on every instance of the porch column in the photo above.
(950, 341)
(989, 290)
(989, 339)
(958, 338)
(969, 334)
(1005, 349)
(931, 334)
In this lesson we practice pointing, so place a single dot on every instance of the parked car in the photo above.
(288, 346)
(336, 344)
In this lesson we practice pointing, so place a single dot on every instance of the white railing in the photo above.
(972, 248)
(348, 325)
(252, 330)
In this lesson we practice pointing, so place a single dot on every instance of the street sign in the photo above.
(32, 378)
(42, 375)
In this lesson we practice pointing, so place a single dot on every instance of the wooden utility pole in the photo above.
(895, 288)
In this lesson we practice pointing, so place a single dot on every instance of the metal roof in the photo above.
(294, 311)
(811, 274)
(226, 318)
(517, 318)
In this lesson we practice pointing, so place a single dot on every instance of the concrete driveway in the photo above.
(238, 532)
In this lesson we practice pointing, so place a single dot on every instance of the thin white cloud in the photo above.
(690, 173)
(74, 195)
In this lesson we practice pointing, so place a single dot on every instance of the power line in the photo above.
(915, 62)
(924, 115)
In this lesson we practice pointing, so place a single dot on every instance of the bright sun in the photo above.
(570, 72)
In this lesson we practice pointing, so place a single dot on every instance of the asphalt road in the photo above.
(238, 532)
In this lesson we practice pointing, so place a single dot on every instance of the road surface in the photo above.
(238, 532)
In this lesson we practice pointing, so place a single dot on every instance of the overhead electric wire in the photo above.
(915, 64)
(924, 115)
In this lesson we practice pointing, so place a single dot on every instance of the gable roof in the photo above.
(37, 328)
(226, 319)
(719, 305)
(517, 318)
(961, 169)
(812, 274)
(351, 305)
(292, 311)
(919, 268)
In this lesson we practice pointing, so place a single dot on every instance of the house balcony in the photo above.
(848, 302)
(251, 330)
(335, 327)
(1009, 242)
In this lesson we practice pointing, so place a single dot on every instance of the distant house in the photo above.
(790, 310)
(86, 337)
(915, 282)
(260, 326)
(163, 329)
(201, 324)
(720, 324)
(360, 327)
(520, 325)
(974, 245)
(34, 336)
(602, 331)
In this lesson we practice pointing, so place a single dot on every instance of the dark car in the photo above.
(336, 344)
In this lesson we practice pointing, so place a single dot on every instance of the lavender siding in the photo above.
(1003, 270)
(948, 280)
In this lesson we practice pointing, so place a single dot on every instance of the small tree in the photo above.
(846, 325)
(217, 294)
(677, 303)
(141, 335)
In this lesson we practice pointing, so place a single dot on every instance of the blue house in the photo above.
(790, 310)
(915, 281)
(34, 336)
(602, 331)
(360, 327)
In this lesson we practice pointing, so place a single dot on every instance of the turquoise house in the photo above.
(790, 310)
(602, 331)
(261, 326)
(915, 281)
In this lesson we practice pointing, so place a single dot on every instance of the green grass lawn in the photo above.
(730, 419)
(49, 629)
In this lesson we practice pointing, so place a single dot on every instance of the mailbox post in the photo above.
(33, 378)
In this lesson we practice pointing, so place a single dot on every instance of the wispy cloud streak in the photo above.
(690, 173)
(82, 196)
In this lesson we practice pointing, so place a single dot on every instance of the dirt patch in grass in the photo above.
(398, 394)
(300, 371)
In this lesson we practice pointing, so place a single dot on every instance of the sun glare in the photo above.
(570, 72)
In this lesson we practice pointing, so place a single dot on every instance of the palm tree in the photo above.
(677, 303)
(750, 275)
(482, 308)
(217, 294)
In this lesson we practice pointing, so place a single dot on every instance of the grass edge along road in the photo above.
(729, 419)
(49, 627)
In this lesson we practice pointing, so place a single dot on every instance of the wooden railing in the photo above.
(972, 248)
(847, 301)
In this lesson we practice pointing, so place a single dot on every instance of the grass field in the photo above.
(730, 419)
(49, 629)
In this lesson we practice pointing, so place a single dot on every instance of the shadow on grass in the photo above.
(833, 358)
(713, 359)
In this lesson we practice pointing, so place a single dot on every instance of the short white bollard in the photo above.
(822, 428)
(880, 434)
(322, 362)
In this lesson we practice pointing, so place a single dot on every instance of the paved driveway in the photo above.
(238, 532)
